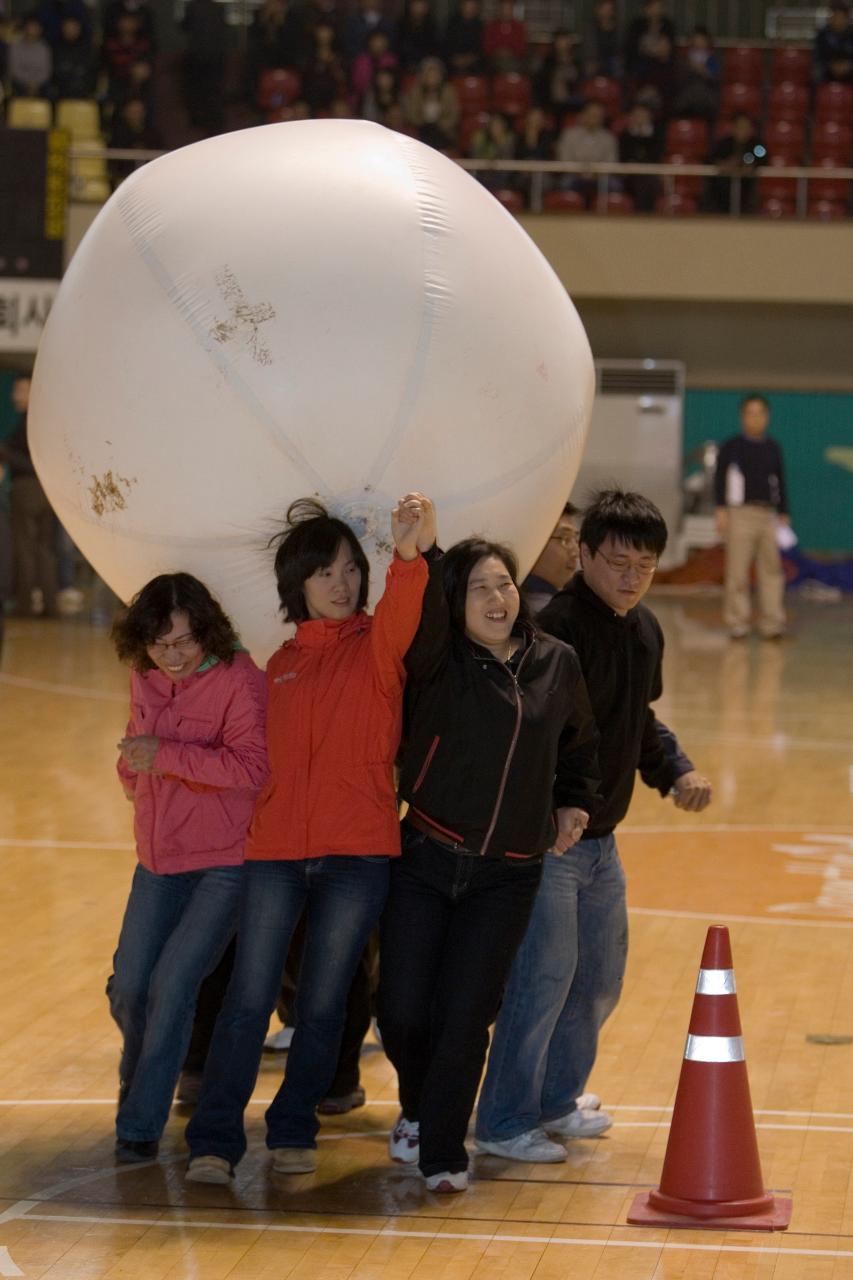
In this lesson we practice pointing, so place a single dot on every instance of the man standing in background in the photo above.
(557, 562)
(751, 502)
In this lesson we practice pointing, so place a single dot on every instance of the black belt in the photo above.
(434, 833)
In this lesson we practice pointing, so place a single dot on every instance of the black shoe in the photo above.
(188, 1091)
(339, 1105)
(129, 1152)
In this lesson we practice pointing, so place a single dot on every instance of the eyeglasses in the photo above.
(182, 642)
(565, 539)
(621, 564)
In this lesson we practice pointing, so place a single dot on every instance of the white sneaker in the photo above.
(580, 1124)
(447, 1183)
(212, 1169)
(588, 1102)
(279, 1041)
(404, 1144)
(534, 1146)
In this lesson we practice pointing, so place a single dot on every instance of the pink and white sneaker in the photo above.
(404, 1144)
(447, 1183)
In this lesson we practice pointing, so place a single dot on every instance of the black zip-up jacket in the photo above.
(490, 750)
(621, 661)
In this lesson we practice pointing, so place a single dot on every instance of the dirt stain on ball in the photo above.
(109, 492)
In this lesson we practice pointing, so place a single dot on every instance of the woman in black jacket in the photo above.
(499, 765)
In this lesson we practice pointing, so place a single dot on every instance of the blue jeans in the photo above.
(344, 897)
(174, 932)
(566, 980)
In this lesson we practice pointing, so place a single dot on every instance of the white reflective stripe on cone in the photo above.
(714, 1049)
(716, 982)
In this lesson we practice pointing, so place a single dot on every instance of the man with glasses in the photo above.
(557, 562)
(567, 975)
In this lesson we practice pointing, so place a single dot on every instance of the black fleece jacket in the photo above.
(621, 661)
(490, 748)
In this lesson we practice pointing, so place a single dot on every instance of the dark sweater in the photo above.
(621, 660)
(763, 471)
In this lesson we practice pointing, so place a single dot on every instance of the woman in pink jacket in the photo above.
(192, 761)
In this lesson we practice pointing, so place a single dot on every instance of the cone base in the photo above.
(776, 1218)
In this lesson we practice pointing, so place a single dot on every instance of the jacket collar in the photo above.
(578, 587)
(321, 633)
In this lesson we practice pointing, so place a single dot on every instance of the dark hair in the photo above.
(149, 614)
(456, 567)
(754, 395)
(308, 542)
(571, 510)
(628, 517)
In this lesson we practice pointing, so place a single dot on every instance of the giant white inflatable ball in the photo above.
(319, 307)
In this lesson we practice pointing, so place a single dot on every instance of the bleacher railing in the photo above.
(543, 175)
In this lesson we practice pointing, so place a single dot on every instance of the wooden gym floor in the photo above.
(773, 859)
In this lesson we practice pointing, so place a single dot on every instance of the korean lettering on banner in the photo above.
(24, 308)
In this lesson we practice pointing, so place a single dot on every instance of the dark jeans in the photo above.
(343, 897)
(174, 931)
(34, 543)
(450, 931)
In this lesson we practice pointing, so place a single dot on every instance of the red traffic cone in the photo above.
(711, 1172)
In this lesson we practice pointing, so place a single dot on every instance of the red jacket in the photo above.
(193, 810)
(334, 722)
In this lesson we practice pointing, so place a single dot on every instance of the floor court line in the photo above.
(491, 1237)
(65, 690)
(715, 917)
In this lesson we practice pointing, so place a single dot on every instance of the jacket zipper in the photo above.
(426, 764)
(510, 752)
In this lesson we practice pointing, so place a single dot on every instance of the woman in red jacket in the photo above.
(324, 829)
(192, 761)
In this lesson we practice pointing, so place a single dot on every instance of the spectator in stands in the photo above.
(204, 64)
(505, 39)
(30, 60)
(650, 52)
(556, 88)
(126, 57)
(132, 130)
(431, 106)
(52, 13)
(368, 18)
(641, 142)
(74, 71)
(834, 45)
(138, 9)
(376, 57)
(382, 96)
(463, 41)
(323, 77)
(602, 44)
(33, 521)
(274, 40)
(417, 35)
(698, 79)
(738, 154)
(588, 141)
(395, 118)
(537, 138)
(495, 140)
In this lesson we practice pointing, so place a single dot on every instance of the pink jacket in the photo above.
(193, 810)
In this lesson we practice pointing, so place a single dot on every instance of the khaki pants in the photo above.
(751, 539)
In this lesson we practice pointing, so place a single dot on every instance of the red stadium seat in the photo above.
(511, 93)
(785, 137)
(788, 101)
(828, 188)
(691, 184)
(771, 207)
(511, 200)
(604, 90)
(793, 65)
(740, 98)
(689, 137)
(771, 188)
(473, 93)
(831, 139)
(743, 65)
(827, 210)
(677, 205)
(834, 101)
(563, 202)
(619, 203)
(278, 87)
